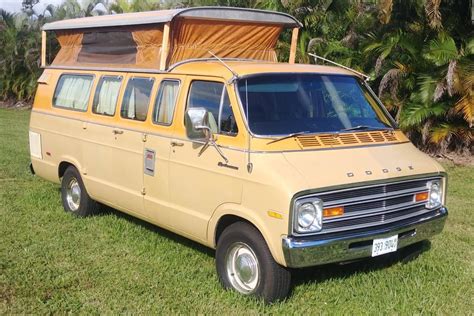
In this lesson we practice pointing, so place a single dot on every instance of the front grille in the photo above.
(375, 205)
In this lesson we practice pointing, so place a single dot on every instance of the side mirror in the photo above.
(197, 126)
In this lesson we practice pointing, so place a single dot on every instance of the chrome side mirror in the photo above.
(197, 128)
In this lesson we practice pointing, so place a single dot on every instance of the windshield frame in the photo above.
(363, 84)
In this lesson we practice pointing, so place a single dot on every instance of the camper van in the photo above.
(186, 119)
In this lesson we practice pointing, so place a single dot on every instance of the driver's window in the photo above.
(213, 97)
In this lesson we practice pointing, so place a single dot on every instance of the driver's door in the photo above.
(199, 183)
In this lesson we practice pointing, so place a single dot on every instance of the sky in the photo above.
(15, 5)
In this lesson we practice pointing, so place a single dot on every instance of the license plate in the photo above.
(384, 245)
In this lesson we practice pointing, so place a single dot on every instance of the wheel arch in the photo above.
(229, 214)
(65, 162)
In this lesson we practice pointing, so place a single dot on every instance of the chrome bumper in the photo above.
(316, 250)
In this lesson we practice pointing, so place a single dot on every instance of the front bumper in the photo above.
(316, 250)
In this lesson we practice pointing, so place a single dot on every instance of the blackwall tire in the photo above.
(244, 264)
(74, 196)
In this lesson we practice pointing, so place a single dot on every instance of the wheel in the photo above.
(244, 264)
(74, 195)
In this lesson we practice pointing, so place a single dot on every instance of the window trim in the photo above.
(118, 95)
(53, 101)
(156, 99)
(149, 101)
(221, 99)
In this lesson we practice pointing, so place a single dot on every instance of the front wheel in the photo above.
(244, 263)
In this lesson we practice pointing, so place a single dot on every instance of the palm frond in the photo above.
(415, 114)
(385, 11)
(433, 14)
(441, 50)
(446, 131)
(465, 107)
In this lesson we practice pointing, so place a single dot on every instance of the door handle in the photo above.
(175, 143)
(117, 131)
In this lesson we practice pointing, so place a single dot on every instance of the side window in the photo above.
(73, 91)
(136, 99)
(106, 95)
(165, 102)
(213, 97)
(227, 123)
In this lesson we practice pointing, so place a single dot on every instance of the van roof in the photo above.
(157, 39)
(164, 16)
(243, 68)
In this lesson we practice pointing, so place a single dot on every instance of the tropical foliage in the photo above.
(419, 53)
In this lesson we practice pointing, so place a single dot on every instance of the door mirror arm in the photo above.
(210, 140)
(197, 128)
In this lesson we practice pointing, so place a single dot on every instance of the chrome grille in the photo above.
(375, 205)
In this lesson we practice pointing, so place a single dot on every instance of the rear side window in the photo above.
(214, 98)
(136, 99)
(106, 95)
(73, 91)
(165, 102)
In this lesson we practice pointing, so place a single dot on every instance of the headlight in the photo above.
(435, 194)
(308, 216)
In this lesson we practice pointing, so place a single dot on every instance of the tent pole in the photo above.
(165, 46)
(43, 49)
(294, 41)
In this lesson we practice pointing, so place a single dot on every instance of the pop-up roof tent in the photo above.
(156, 40)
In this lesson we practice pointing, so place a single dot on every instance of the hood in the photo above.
(337, 166)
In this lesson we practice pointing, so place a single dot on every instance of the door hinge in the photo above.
(143, 191)
(144, 137)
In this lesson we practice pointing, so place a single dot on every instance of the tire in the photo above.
(74, 195)
(244, 264)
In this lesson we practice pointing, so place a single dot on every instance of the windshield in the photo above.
(282, 104)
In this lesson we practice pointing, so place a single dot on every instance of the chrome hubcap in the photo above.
(73, 194)
(242, 268)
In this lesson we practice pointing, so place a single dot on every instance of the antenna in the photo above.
(316, 57)
(235, 76)
(249, 162)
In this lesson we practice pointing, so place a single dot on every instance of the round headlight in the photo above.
(306, 215)
(309, 216)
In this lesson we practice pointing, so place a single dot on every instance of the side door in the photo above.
(157, 152)
(117, 167)
(200, 180)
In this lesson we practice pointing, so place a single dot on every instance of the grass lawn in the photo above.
(51, 262)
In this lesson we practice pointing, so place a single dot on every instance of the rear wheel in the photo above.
(74, 195)
(244, 264)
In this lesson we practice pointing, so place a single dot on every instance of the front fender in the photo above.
(269, 227)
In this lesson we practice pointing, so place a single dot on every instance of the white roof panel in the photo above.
(164, 16)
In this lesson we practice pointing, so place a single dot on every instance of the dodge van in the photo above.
(186, 119)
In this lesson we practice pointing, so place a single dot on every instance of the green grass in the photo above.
(51, 262)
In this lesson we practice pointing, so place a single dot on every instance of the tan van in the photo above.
(184, 118)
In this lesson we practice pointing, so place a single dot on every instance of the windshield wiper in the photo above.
(288, 136)
(363, 127)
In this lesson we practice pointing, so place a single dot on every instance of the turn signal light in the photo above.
(422, 196)
(333, 211)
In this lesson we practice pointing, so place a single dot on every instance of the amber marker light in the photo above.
(275, 214)
(333, 211)
(422, 196)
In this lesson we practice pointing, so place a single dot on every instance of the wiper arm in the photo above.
(288, 136)
(362, 128)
